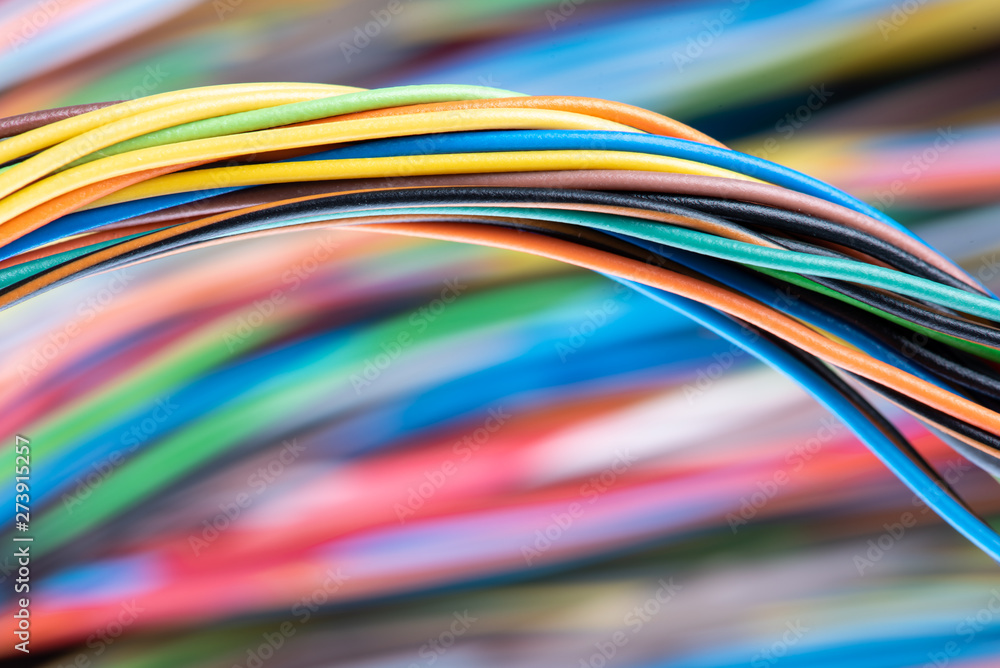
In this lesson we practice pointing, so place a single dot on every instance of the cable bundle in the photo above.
(862, 124)
(191, 444)
(822, 287)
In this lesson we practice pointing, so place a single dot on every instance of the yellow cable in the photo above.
(219, 148)
(54, 133)
(421, 165)
(50, 160)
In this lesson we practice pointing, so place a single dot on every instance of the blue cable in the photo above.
(91, 219)
(951, 510)
(494, 141)
(751, 284)
(487, 142)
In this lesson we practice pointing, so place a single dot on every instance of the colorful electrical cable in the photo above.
(820, 286)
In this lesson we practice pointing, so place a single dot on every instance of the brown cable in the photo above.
(15, 125)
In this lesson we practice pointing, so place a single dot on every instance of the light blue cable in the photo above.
(951, 510)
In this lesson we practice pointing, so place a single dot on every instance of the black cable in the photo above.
(863, 405)
(982, 383)
(339, 202)
(935, 416)
(811, 226)
(491, 195)
(318, 207)
(915, 313)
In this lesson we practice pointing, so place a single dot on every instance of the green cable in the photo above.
(705, 244)
(971, 347)
(713, 246)
(19, 272)
(300, 112)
